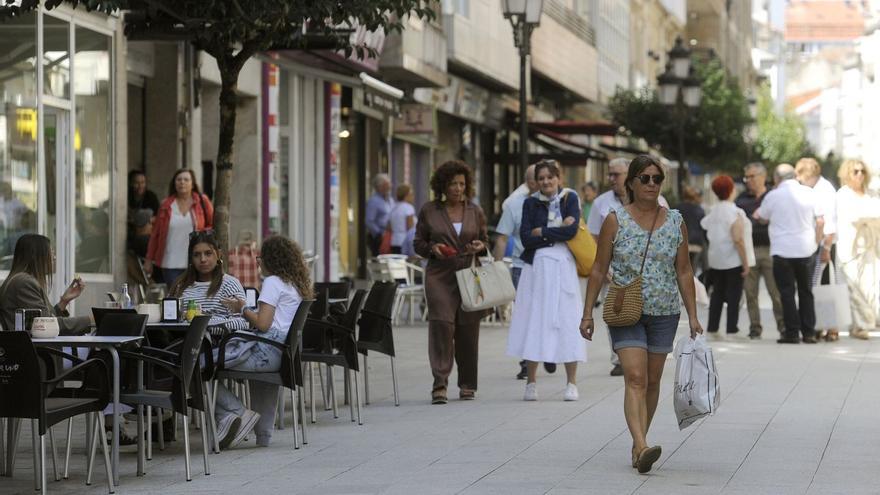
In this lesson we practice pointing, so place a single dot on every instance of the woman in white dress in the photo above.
(548, 305)
(858, 245)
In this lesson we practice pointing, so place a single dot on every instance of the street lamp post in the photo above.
(681, 90)
(524, 16)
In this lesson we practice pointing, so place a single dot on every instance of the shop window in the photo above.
(92, 150)
(56, 57)
(19, 190)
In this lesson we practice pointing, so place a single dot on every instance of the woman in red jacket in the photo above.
(184, 211)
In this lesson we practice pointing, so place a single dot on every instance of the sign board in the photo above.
(380, 102)
(460, 98)
(415, 118)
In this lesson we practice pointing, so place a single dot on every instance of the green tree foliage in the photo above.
(713, 132)
(781, 138)
(232, 31)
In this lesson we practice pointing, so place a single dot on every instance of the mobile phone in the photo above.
(251, 295)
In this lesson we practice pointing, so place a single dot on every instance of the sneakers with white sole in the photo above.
(531, 392)
(248, 421)
(227, 427)
(571, 392)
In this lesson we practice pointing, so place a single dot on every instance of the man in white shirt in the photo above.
(508, 226)
(795, 225)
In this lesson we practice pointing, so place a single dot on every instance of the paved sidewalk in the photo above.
(794, 420)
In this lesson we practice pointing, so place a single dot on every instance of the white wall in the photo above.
(481, 39)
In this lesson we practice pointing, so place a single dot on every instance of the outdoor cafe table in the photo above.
(110, 343)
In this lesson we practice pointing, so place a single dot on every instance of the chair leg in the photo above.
(141, 462)
(302, 413)
(186, 448)
(37, 463)
(393, 382)
(357, 397)
(149, 439)
(366, 382)
(54, 455)
(325, 391)
(91, 445)
(43, 464)
(100, 428)
(293, 417)
(14, 433)
(331, 387)
(205, 442)
(212, 423)
(161, 426)
(312, 392)
(351, 402)
(67, 447)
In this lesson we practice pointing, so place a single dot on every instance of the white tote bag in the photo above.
(486, 286)
(696, 391)
(832, 303)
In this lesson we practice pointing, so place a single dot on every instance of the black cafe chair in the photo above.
(22, 377)
(186, 391)
(375, 331)
(289, 374)
(336, 347)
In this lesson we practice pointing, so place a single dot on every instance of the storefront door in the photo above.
(58, 192)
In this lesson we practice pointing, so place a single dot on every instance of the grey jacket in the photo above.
(22, 291)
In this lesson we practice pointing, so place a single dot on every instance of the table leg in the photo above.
(115, 448)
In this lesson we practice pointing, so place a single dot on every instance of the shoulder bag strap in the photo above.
(648, 244)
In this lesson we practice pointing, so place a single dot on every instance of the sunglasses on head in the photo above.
(645, 178)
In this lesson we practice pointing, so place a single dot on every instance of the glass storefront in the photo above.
(19, 193)
(56, 174)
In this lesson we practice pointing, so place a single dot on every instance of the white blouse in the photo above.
(722, 253)
(177, 242)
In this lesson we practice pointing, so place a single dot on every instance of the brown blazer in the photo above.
(435, 227)
(22, 291)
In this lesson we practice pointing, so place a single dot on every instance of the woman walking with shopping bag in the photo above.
(548, 304)
(450, 231)
(646, 247)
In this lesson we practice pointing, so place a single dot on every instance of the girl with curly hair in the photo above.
(450, 231)
(285, 286)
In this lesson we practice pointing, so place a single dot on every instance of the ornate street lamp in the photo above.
(524, 16)
(680, 89)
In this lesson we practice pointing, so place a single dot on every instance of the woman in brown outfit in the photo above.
(450, 231)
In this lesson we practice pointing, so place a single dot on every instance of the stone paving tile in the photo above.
(794, 420)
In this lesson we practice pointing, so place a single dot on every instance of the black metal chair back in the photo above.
(290, 357)
(188, 360)
(20, 377)
(374, 325)
(328, 290)
(349, 320)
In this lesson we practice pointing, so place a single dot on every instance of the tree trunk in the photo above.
(229, 71)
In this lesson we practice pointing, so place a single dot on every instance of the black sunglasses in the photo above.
(645, 178)
(201, 234)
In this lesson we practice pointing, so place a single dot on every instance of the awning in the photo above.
(588, 127)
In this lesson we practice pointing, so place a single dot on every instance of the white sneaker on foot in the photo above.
(571, 392)
(248, 421)
(227, 427)
(531, 392)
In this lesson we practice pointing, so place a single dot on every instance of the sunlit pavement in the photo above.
(794, 419)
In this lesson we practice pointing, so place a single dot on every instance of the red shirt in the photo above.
(202, 213)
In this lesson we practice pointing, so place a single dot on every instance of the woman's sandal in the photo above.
(438, 396)
(647, 457)
(635, 457)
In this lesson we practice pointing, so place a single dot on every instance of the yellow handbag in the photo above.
(583, 248)
(624, 303)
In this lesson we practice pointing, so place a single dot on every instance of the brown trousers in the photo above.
(459, 341)
(763, 268)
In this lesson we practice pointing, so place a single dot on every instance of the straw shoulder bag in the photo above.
(623, 305)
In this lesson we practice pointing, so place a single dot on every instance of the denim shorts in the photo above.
(656, 334)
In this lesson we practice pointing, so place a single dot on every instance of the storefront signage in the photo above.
(381, 102)
(415, 118)
(460, 98)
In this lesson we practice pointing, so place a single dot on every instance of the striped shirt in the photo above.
(229, 288)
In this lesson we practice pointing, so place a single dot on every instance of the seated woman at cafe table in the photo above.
(27, 287)
(204, 282)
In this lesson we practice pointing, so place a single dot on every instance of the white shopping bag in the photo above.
(831, 303)
(700, 292)
(696, 391)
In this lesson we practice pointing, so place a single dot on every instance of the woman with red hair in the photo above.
(730, 254)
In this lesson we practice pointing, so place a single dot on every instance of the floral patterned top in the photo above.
(659, 283)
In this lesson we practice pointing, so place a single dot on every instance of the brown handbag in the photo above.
(623, 305)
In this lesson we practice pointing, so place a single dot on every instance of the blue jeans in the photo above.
(264, 396)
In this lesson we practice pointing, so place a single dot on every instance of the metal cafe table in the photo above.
(111, 344)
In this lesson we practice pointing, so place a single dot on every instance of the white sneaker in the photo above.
(531, 392)
(571, 392)
(248, 421)
(227, 427)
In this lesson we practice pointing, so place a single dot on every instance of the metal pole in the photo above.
(524, 35)
(682, 163)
